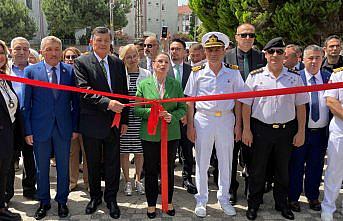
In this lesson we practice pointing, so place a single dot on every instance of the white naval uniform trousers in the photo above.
(334, 172)
(211, 130)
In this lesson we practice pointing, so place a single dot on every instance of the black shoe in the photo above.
(251, 213)
(285, 212)
(93, 205)
(29, 195)
(63, 210)
(314, 205)
(8, 215)
(233, 197)
(41, 211)
(171, 212)
(190, 187)
(268, 187)
(114, 210)
(294, 206)
(151, 215)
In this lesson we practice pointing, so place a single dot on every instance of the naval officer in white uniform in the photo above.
(214, 121)
(334, 171)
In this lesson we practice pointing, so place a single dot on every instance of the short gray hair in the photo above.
(14, 40)
(313, 48)
(50, 38)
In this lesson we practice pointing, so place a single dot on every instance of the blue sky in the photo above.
(182, 2)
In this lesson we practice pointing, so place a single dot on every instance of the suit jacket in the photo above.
(258, 60)
(8, 130)
(187, 69)
(95, 118)
(41, 109)
(326, 77)
(147, 89)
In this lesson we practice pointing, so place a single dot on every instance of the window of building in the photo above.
(163, 7)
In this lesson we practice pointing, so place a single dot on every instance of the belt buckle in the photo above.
(218, 114)
(276, 126)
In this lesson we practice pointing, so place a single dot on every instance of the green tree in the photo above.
(65, 16)
(298, 21)
(15, 21)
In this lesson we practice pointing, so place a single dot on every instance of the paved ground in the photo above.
(134, 207)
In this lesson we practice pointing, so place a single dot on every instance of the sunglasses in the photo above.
(148, 45)
(278, 51)
(245, 35)
(71, 57)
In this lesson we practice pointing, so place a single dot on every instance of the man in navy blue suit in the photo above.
(51, 118)
(308, 159)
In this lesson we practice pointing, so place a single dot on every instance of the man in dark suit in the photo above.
(293, 55)
(20, 54)
(50, 123)
(248, 59)
(180, 71)
(102, 72)
(332, 48)
(308, 160)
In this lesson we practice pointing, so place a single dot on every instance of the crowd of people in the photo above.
(279, 141)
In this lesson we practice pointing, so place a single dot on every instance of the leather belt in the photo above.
(214, 113)
(275, 125)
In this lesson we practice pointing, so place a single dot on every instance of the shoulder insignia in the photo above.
(293, 71)
(232, 66)
(337, 70)
(198, 68)
(259, 70)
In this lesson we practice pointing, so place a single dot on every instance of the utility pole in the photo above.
(112, 2)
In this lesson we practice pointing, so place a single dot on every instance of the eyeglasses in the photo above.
(245, 35)
(148, 45)
(278, 51)
(71, 57)
(176, 49)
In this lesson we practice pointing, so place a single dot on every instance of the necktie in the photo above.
(314, 102)
(178, 74)
(102, 64)
(54, 81)
(246, 65)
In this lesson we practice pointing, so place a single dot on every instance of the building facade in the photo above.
(154, 15)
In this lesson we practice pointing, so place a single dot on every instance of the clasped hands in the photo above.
(166, 116)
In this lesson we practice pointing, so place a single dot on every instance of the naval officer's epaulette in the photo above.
(259, 70)
(293, 71)
(337, 70)
(232, 66)
(198, 68)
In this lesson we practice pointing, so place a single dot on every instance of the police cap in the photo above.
(275, 43)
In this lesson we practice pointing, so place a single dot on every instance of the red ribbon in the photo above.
(156, 108)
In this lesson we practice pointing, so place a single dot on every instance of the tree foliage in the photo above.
(65, 16)
(298, 21)
(15, 21)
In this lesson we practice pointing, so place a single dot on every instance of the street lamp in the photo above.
(112, 2)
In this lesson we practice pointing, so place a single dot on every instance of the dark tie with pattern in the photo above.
(54, 81)
(246, 65)
(102, 64)
(314, 102)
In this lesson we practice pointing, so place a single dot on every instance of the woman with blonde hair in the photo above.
(131, 142)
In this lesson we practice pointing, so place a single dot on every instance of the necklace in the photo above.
(4, 87)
